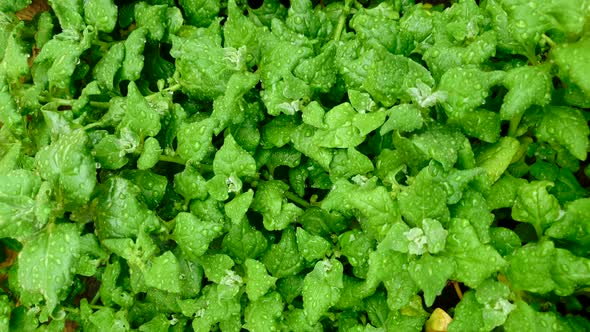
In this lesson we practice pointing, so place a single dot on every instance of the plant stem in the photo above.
(514, 122)
(458, 290)
(548, 40)
(342, 19)
(100, 104)
(296, 199)
(173, 159)
(93, 125)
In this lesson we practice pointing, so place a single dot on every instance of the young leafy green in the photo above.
(304, 165)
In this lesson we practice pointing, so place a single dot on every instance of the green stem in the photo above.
(342, 19)
(514, 122)
(95, 298)
(169, 89)
(296, 199)
(548, 40)
(100, 104)
(173, 159)
(93, 125)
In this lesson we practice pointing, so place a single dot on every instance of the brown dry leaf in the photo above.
(29, 13)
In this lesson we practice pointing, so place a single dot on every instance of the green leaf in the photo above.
(468, 315)
(164, 273)
(566, 126)
(236, 209)
(504, 192)
(573, 60)
(283, 259)
(495, 158)
(240, 31)
(356, 246)
(140, 117)
(20, 213)
(14, 63)
(277, 213)
(152, 19)
(212, 307)
(264, 314)
(474, 207)
(107, 67)
(102, 14)
(194, 235)
(152, 186)
(440, 144)
(133, 62)
(194, 140)
(346, 128)
(574, 226)
(530, 267)
(217, 267)
(404, 117)
(204, 75)
(67, 163)
(475, 262)
(119, 212)
(423, 198)
(244, 241)
(466, 89)
(312, 247)
(158, 323)
(321, 288)
(350, 162)
(231, 159)
(369, 202)
(431, 274)
(258, 281)
(525, 318)
(150, 155)
(534, 205)
(200, 13)
(45, 266)
(390, 78)
(69, 13)
(527, 86)
(190, 183)
(319, 72)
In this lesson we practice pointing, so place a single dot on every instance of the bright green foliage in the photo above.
(200, 12)
(391, 77)
(541, 268)
(259, 282)
(150, 155)
(68, 165)
(574, 226)
(475, 261)
(283, 259)
(277, 213)
(311, 247)
(139, 116)
(566, 126)
(536, 206)
(572, 60)
(164, 273)
(424, 198)
(317, 165)
(194, 235)
(430, 274)
(45, 266)
(22, 215)
(321, 289)
(102, 14)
